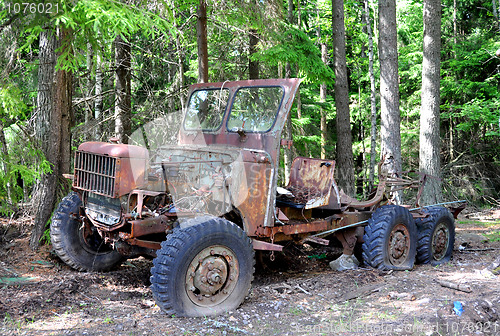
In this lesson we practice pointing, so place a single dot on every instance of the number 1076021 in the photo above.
(32, 8)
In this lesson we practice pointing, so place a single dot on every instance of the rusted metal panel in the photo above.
(144, 243)
(314, 179)
(114, 150)
(265, 246)
(249, 191)
(289, 229)
(148, 226)
(299, 214)
(349, 218)
(108, 169)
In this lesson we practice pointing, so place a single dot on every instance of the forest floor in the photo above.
(297, 294)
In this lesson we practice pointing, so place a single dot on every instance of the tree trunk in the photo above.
(430, 113)
(373, 100)
(455, 24)
(287, 152)
(345, 162)
(201, 35)
(389, 91)
(98, 105)
(123, 105)
(64, 109)
(253, 66)
(180, 64)
(4, 159)
(45, 189)
(52, 127)
(88, 93)
(322, 99)
(495, 14)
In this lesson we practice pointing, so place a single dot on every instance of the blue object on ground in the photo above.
(458, 308)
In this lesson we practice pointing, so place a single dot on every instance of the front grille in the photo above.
(95, 173)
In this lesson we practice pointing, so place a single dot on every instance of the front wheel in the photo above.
(79, 246)
(205, 267)
(390, 239)
(436, 236)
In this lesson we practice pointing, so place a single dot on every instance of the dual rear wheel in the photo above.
(393, 240)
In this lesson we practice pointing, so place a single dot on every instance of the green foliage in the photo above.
(163, 39)
(45, 239)
(23, 161)
(97, 22)
(295, 47)
(11, 102)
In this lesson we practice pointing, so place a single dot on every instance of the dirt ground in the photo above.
(297, 294)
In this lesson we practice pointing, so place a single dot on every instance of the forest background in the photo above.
(75, 71)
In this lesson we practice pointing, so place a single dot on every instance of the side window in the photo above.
(206, 109)
(255, 109)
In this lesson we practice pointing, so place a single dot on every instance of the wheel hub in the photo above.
(399, 244)
(212, 276)
(440, 241)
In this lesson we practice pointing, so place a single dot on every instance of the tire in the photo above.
(436, 236)
(66, 234)
(184, 280)
(390, 239)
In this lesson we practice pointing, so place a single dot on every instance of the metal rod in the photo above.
(337, 229)
(428, 206)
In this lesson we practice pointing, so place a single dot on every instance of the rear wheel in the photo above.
(390, 239)
(79, 245)
(436, 236)
(205, 267)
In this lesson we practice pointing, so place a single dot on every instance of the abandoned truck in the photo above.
(202, 207)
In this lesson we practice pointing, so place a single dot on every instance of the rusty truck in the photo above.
(202, 206)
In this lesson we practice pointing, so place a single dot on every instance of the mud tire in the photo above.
(182, 257)
(436, 236)
(67, 240)
(390, 239)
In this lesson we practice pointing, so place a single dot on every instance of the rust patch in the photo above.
(148, 226)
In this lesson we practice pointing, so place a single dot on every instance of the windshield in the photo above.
(206, 109)
(255, 109)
